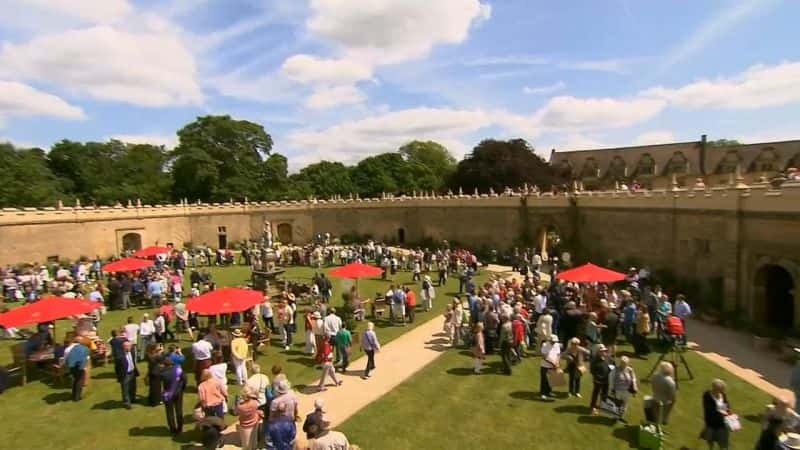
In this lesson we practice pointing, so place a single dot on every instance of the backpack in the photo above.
(674, 326)
(426, 285)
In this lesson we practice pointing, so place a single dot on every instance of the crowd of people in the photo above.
(574, 330)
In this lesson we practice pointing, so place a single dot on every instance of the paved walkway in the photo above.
(733, 350)
(397, 361)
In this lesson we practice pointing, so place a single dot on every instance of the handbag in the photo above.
(608, 407)
(732, 422)
(556, 378)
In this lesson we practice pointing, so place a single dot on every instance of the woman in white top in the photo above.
(219, 370)
(428, 293)
(551, 356)
(623, 384)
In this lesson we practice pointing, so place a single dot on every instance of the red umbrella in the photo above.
(46, 310)
(127, 265)
(225, 300)
(356, 270)
(589, 273)
(153, 250)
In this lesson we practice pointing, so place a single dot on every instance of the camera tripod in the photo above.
(673, 355)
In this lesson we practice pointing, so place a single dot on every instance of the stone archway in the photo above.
(131, 242)
(548, 240)
(774, 297)
(285, 233)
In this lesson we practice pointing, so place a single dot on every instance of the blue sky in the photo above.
(342, 79)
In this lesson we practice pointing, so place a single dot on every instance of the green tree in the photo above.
(325, 179)
(387, 172)
(26, 179)
(430, 163)
(497, 164)
(724, 143)
(220, 158)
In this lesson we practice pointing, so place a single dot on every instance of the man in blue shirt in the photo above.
(75, 359)
(154, 290)
(400, 304)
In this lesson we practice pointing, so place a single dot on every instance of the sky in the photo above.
(343, 79)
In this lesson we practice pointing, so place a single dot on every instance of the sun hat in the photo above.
(319, 404)
(602, 348)
(792, 441)
(283, 386)
(237, 333)
(553, 338)
(317, 315)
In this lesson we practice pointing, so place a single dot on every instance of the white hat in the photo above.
(283, 386)
(319, 403)
(553, 338)
(792, 441)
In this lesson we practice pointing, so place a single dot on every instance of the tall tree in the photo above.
(387, 172)
(220, 158)
(26, 179)
(326, 179)
(497, 164)
(430, 163)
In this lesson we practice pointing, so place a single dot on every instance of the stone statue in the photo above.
(267, 233)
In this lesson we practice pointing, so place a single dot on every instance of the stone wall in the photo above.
(727, 234)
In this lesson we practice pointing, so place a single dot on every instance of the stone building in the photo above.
(653, 166)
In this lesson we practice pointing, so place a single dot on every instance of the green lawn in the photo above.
(40, 415)
(445, 406)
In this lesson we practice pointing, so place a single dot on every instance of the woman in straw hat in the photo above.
(239, 354)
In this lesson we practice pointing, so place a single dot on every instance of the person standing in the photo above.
(201, 351)
(682, 309)
(327, 365)
(281, 427)
(344, 341)
(664, 391)
(506, 342)
(576, 357)
(147, 331)
(239, 354)
(551, 357)
(155, 290)
(428, 293)
(600, 369)
(370, 345)
(160, 327)
(153, 355)
(623, 385)
(174, 382)
(75, 357)
(126, 372)
(267, 314)
(249, 417)
(715, 408)
(411, 304)
(212, 395)
(132, 334)
(478, 347)
(332, 324)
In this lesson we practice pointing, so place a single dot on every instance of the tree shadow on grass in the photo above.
(57, 397)
(628, 434)
(572, 409)
(529, 395)
(461, 371)
(105, 376)
(306, 361)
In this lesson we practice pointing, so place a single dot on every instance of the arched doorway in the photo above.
(401, 235)
(548, 241)
(774, 297)
(285, 233)
(131, 242)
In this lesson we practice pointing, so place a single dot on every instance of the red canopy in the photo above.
(153, 250)
(225, 300)
(589, 273)
(127, 265)
(356, 270)
(46, 310)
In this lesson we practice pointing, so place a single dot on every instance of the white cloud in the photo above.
(514, 60)
(600, 65)
(571, 113)
(654, 137)
(29, 12)
(311, 69)
(150, 67)
(169, 141)
(714, 28)
(18, 99)
(327, 97)
(759, 86)
(269, 88)
(771, 135)
(352, 140)
(544, 90)
(390, 31)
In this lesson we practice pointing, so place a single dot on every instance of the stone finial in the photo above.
(449, 192)
(674, 183)
(246, 200)
(350, 196)
(414, 193)
(491, 191)
(460, 191)
(616, 185)
(740, 184)
(476, 194)
(77, 202)
(130, 203)
(230, 200)
(575, 185)
(580, 186)
(358, 196)
(139, 203)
